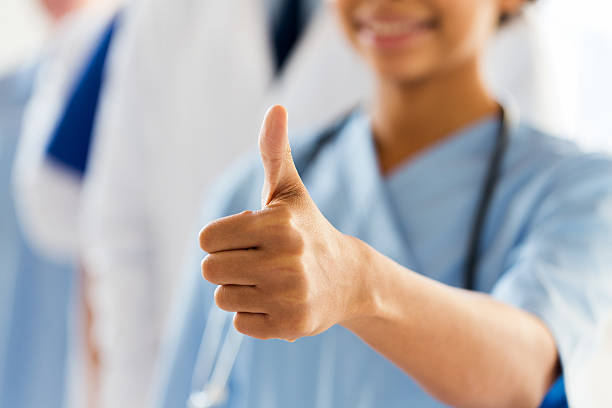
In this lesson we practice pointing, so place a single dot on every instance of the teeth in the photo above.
(393, 28)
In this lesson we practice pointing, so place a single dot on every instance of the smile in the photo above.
(389, 33)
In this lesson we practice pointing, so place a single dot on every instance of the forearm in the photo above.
(464, 348)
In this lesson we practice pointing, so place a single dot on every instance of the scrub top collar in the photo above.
(370, 194)
(358, 164)
(370, 209)
(445, 165)
(474, 141)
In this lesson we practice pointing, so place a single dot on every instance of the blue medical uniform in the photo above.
(38, 309)
(34, 292)
(545, 248)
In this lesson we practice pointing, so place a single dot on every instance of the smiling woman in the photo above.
(432, 228)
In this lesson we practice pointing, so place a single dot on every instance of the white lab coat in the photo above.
(47, 195)
(184, 96)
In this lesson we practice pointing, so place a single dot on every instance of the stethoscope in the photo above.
(214, 369)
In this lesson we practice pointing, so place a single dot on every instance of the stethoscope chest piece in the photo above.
(211, 397)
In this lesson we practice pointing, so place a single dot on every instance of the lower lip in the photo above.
(392, 42)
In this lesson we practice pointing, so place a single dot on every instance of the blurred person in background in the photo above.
(34, 290)
(37, 287)
(181, 97)
(40, 176)
(46, 170)
(485, 263)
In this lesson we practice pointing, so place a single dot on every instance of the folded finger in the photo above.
(256, 325)
(234, 298)
(230, 233)
(254, 267)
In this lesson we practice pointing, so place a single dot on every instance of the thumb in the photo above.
(281, 176)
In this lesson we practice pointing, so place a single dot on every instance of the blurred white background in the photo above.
(23, 30)
(580, 36)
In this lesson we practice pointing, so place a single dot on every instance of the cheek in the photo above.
(344, 10)
(467, 26)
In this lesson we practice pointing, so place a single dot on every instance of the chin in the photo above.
(401, 71)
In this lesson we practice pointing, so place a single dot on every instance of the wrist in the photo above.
(365, 302)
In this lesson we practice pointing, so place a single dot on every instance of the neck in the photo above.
(409, 118)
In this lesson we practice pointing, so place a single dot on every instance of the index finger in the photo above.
(230, 233)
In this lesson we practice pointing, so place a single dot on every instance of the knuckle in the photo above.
(280, 231)
(291, 239)
(295, 243)
(283, 230)
(286, 231)
(300, 293)
(283, 214)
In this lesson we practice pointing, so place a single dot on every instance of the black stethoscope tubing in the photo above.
(488, 191)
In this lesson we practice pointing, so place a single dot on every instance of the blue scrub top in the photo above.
(546, 249)
(35, 293)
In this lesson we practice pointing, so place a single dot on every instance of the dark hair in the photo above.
(505, 17)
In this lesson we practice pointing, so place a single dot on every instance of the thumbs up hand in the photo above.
(285, 270)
